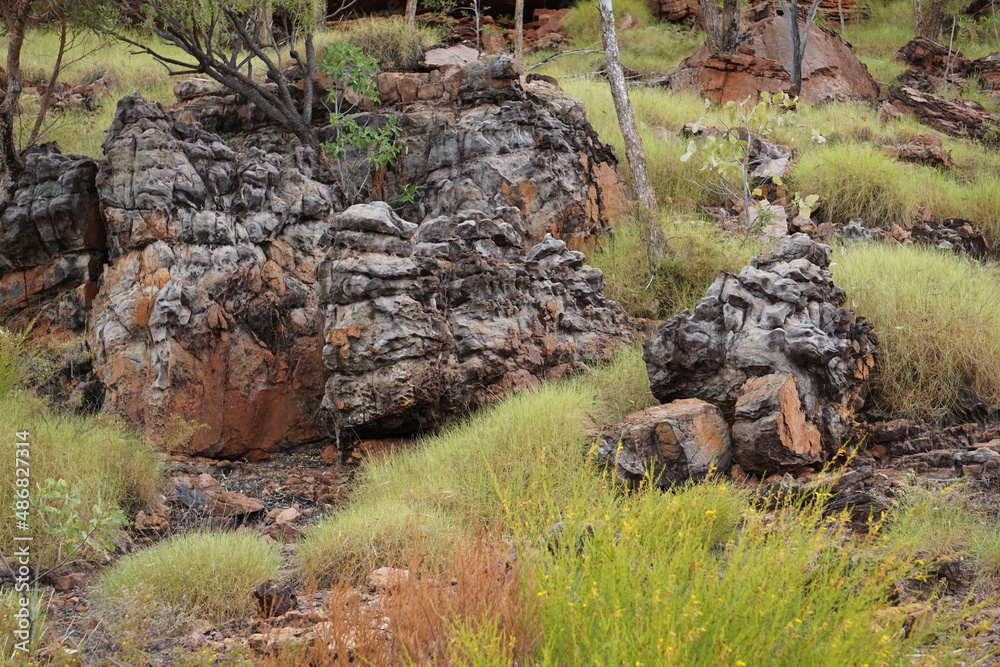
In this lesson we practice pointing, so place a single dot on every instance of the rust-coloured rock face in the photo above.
(830, 70)
(681, 440)
(770, 431)
(208, 313)
(736, 77)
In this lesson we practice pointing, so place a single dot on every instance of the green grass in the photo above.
(389, 40)
(937, 523)
(209, 575)
(938, 320)
(696, 576)
(527, 446)
(697, 252)
(104, 460)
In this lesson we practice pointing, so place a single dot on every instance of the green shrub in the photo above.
(938, 320)
(697, 577)
(390, 41)
(106, 463)
(209, 575)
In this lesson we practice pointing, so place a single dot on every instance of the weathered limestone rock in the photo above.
(677, 441)
(476, 138)
(51, 241)
(961, 118)
(209, 312)
(425, 322)
(830, 70)
(780, 315)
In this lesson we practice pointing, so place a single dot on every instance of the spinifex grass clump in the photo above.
(697, 251)
(103, 462)
(938, 320)
(209, 575)
(528, 446)
(696, 576)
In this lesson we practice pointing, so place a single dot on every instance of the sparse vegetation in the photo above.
(206, 574)
(107, 463)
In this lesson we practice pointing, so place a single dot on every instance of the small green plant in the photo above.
(71, 531)
(727, 154)
(177, 433)
(408, 194)
(357, 150)
(441, 8)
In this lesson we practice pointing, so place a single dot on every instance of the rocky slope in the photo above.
(190, 267)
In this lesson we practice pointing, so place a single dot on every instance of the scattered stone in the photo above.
(927, 54)
(197, 86)
(780, 315)
(681, 440)
(274, 598)
(387, 578)
(155, 521)
(924, 149)
(205, 491)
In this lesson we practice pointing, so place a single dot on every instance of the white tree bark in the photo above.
(519, 36)
(635, 153)
(411, 13)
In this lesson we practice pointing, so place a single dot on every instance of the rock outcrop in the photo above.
(830, 70)
(423, 322)
(677, 441)
(926, 54)
(960, 118)
(208, 312)
(774, 349)
(475, 139)
(52, 242)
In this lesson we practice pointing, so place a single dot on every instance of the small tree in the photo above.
(226, 39)
(71, 18)
(519, 36)
(635, 153)
(799, 42)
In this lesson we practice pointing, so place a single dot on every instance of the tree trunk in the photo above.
(918, 17)
(519, 36)
(411, 14)
(722, 27)
(10, 161)
(635, 153)
(799, 43)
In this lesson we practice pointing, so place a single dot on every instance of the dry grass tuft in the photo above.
(469, 609)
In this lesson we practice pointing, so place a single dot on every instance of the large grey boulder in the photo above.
(208, 312)
(782, 317)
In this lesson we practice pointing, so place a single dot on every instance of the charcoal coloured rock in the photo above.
(423, 322)
(780, 315)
